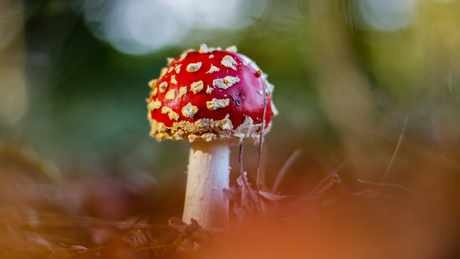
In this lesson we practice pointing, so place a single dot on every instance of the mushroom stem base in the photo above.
(208, 174)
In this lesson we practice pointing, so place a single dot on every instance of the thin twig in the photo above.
(285, 169)
(244, 178)
(390, 165)
(133, 225)
(263, 168)
(261, 139)
(240, 160)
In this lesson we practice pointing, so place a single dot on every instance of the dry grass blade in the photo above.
(334, 180)
(320, 184)
(390, 165)
(394, 186)
(285, 169)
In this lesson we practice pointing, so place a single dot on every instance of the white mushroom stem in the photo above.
(208, 175)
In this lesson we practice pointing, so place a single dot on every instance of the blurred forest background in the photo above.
(353, 80)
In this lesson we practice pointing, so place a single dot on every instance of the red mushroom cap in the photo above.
(210, 94)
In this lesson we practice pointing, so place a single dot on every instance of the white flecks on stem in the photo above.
(217, 103)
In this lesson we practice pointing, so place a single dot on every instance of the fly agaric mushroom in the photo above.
(212, 98)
